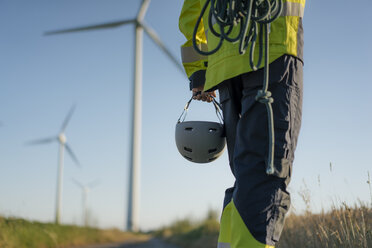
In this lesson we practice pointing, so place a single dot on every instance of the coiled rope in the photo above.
(254, 18)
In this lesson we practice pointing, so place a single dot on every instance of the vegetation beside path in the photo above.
(19, 233)
(341, 227)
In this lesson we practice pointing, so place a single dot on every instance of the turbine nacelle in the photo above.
(62, 138)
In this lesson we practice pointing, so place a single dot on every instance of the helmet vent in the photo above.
(212, 130)
(187, 158)
(212, 150)
(187, 149)
(189, 128)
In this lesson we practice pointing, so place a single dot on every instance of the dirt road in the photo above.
(152, 243)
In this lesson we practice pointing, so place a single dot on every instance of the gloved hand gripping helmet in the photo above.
(200, 141)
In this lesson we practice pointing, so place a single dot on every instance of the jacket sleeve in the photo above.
(194, 63)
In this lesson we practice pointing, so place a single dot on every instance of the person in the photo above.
(254, 207)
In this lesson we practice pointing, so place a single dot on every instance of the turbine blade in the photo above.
(72, 155)
(157, 40)
(41, 141)
(77, 182)
(94, 183)
(67, 119)
(91, 27)
(143, 9)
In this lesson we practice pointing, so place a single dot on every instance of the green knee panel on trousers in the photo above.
(233, 231)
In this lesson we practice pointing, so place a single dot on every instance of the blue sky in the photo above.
(42, 77)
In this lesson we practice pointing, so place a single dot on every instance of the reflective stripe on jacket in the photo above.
(286, 37)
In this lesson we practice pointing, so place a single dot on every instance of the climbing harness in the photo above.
(254, 18)
(200, 141)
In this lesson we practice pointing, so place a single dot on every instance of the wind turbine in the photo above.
(61, 139)
(135, 152)
(85, 189)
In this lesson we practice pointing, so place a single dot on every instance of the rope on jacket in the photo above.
(254, 18)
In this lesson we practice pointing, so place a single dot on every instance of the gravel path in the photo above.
(153, 243)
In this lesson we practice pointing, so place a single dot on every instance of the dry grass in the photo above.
(342, 227)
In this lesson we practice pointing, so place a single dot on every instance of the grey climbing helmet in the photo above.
(200, 141)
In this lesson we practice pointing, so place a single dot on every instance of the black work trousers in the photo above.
(262, 200)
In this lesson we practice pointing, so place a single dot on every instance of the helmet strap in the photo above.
(216, 105)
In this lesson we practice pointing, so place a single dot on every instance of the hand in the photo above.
(199, 94)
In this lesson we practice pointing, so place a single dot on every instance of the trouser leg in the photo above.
(231, 107)
(254, 208)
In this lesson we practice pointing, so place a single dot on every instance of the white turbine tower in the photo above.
(135, 153)
(61, 139)
(85, 190)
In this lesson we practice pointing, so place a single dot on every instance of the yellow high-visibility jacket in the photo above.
(286, 37)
